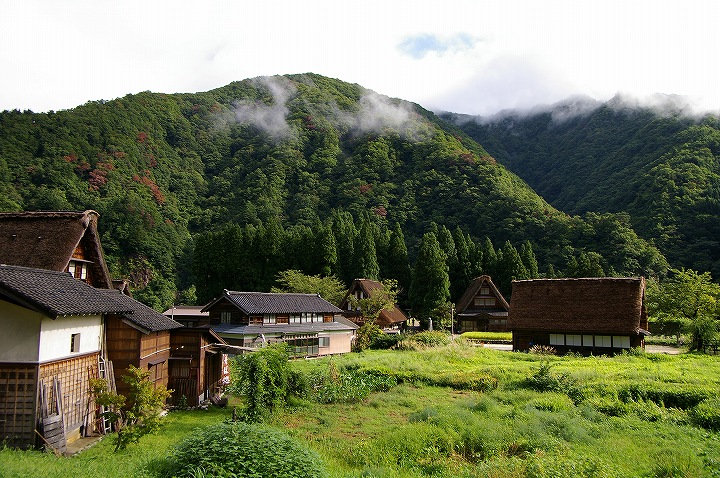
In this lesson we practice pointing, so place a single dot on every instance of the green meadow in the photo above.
(465, 411)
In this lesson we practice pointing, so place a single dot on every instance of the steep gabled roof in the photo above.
(55, 293)
(47, 240)
(387, 317)
(473, 290)
(258, 303)
(593, 305)
(142, 316)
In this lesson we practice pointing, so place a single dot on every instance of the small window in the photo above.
(324, 342)
(75, 343)
(603, 341)
(225, 317)
(587, 341)
(575, 340)
(621, 342)
(557, 339)
(282, 319)
(484, 290)
(327, 318)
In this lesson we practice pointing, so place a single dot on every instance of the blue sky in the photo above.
(475, 57)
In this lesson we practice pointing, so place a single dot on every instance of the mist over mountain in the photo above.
(656, 162)
(280, 161)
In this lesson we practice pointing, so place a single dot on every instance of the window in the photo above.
(256, 320)
(324, 342)
(603, 341)
(295, 318)
(78, 269)
(575, 340)
(484, 290)
(557, 339)
(75, 343)
(621, 342)
(587, 340)
(271, 319)
(327, 318)
(225, 317)
(282, 319)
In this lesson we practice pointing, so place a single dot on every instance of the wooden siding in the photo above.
(18, 395)
(73, 374)
(194, 372)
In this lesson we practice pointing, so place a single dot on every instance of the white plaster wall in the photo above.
(20, 333)
(340, 342)
(55, 336)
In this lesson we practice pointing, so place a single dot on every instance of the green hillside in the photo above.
(658, 165)
(285, 172)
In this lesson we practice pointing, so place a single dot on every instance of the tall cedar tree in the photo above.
(345, 232)
(430, 287)
(398, 265)
(529, 260)
(365, 263)
(510, 268)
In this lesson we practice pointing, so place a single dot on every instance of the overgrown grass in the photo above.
(144, 459)
(488, 336)
(635, 415)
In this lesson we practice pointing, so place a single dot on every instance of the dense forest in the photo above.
(226, 188)
(659, 165)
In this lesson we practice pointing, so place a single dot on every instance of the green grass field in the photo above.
(635, 415)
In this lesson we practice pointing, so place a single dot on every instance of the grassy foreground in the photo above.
(540, 416)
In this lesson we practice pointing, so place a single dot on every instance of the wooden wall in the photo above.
(194, 372)
(74, 375)
(18, 394)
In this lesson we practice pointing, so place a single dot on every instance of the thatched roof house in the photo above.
(482, 307)
(62, 241)
(592, 315)
(363, 288)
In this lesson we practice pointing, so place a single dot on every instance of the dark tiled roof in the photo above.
(47, 240)
(252, 303)
(142, 315)
(54, 293)
(592, 305)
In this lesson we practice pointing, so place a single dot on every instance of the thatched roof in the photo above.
(47, 240)
(258, 303)
(473, 289)
(387, 317)
(605, 305)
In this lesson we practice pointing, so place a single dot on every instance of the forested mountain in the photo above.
(223, 189)
(658, 164)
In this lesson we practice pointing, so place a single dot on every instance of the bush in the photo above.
(706, 414)
(233, 449)
(423, 340)
(386, 341)
(544, 381)
(350, 385)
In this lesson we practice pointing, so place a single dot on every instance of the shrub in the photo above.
(706, 414)
(365, 336)
(386, 341)
(262, 379)
(539, 349)
(545, 381)
(233, 449)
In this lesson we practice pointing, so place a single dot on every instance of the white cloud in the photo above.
(61, 54)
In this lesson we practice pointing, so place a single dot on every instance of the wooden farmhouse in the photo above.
(589, 316)
(57, 241)
(49, 349)
(393, 318)
(140, 338)
(308, 323)
(482, 308)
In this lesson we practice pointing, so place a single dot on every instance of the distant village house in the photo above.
(389, 319)
(589, 316)
(482, 308)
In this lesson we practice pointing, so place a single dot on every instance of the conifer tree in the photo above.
(510, 267)
(430, 287)
(365, 261)
(529, 260)
(398, 265)
(489, 257)
(327, 251)
(345, 232)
